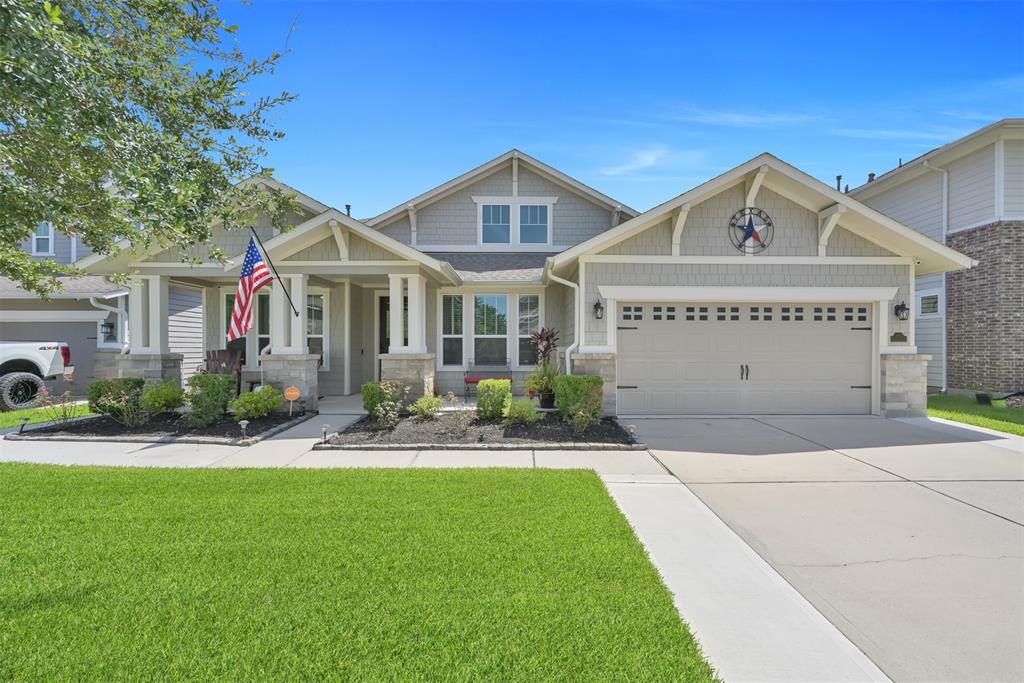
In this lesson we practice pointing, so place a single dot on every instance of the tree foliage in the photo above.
(127, 119)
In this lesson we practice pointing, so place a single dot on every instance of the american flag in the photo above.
(255, 275)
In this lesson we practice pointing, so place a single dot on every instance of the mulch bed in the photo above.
(465, 428)
(166, 426)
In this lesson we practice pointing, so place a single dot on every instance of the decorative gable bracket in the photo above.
(827, 221)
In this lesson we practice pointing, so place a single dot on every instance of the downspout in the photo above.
(116, 310)
(945, 229)
(578, 309)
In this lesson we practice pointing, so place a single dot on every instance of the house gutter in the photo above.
(945, 228)
(579, 322)
(111, 309)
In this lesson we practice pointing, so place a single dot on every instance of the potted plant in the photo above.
(542, 380)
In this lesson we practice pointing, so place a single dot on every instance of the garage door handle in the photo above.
(626, 328)
(748, 371)
(860, 386)
(625, 386)
(741, 371)
(860, 328)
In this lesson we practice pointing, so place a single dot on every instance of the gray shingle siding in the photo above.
(452, 220)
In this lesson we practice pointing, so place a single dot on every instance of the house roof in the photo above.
(74, 288)
(803, 189)
(944, 154)
(491, 166)
(495, 267)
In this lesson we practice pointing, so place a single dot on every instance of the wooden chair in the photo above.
(226, 362)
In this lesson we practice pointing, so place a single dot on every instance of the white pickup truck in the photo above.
(25, 365)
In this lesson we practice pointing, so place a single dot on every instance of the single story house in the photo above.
(763, 290)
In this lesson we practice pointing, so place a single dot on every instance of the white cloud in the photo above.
(735, 119)
(644, 158)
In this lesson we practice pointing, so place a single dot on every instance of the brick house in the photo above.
(969, 195)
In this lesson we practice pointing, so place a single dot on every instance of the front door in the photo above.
(384, 327)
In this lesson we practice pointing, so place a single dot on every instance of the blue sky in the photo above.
(641, 100)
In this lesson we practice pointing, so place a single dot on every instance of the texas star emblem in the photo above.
(751, 230)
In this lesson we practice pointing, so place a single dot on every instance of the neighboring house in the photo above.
(673, 307)
(969, 195)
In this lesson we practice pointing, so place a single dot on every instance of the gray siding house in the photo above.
(969, 195)
(760, 291)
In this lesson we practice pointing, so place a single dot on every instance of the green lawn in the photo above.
(113, 574)
(967, 410)
(12, 418)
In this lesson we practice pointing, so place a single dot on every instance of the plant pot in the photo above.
(547, 399)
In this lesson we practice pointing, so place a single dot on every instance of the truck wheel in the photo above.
(19, 390)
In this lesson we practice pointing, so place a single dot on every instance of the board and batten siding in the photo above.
(1013, 195)
(185, 327)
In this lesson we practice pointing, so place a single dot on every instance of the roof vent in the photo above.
(871, 177)
(839, 182)
(348, 209)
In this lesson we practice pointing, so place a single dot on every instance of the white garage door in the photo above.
(683, 358)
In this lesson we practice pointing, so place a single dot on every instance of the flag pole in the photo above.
(271, 264)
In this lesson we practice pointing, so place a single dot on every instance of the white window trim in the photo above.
(922, 293)
(252, 350)
(326, 293)
(441, 336)
(469, 295)
(473, 336)
(514, 203)
(48, 238)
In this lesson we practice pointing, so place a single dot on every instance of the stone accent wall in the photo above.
(904, 384)
(154, 367)
(293, 370)
(985, 310)
(414, 370)
(602, 365)
(105, 363)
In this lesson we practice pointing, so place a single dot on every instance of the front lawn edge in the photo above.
(540, 446)
(128, 438)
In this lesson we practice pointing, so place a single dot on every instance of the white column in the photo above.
(298, 290)
(347, 334)
(883, 322)
(417, 314)
(138, 306)
(395, 295)
(158, 312)
(280, 312)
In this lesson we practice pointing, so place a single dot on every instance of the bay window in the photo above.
(529, 322)
(451, 330)
(490, 329)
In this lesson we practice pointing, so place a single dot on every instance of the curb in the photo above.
(203, 440)
(567, 446)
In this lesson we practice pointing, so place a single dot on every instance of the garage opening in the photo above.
(751, 358)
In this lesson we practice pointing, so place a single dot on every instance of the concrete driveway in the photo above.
(908, 536)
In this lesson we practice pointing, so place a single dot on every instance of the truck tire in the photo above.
(19, 390)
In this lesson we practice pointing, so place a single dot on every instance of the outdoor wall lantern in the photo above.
(107, 329)
(902, 311)
(598, 310)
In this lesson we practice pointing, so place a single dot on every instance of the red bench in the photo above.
(477, 373)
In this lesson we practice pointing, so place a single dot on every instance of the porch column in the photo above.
(289, 363)
(297, 288)
(396, 295)
(280, 318)
(149, 354)
(417, 314)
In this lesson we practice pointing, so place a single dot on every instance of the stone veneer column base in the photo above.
(105, 363)
(904, 384)
(153, 367)
(602, 365)
(414, 370)
(299, 370)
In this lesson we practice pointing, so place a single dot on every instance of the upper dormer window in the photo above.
(514, 220)
(42, 240)
(496, 226)
(533, 224)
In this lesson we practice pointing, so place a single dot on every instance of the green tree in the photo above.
(127, 119)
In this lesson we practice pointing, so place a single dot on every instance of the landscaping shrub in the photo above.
(257, 404)
(162, 398)
(208, 397)
(120, 400)
(522, 412)
(493, 397)
(579, 399)
(372, 395)
(60, 410)
(427, 407)
(389, 407)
